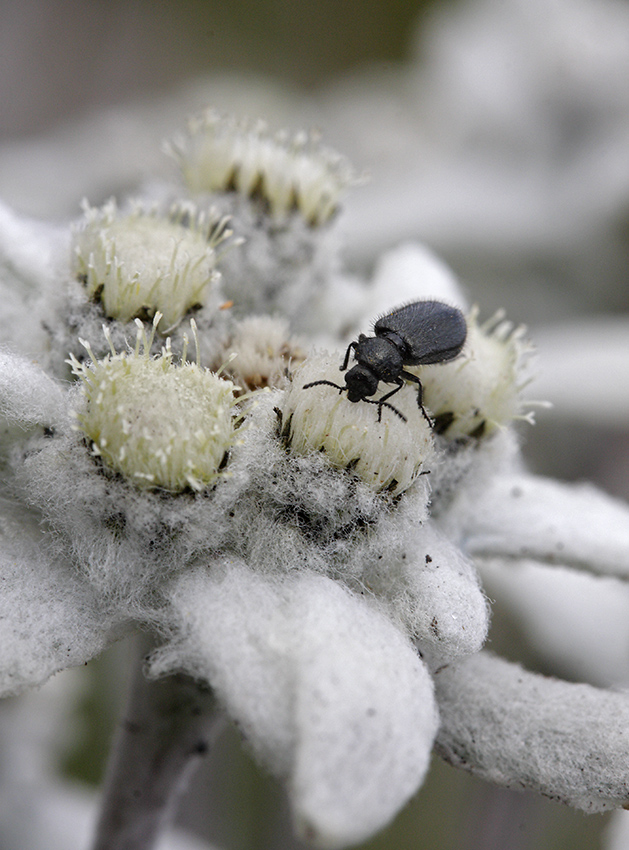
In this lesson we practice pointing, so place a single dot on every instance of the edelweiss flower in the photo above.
(308, 559)
(262, 581)
(141, 262)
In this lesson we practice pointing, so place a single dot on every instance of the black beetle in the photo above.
(419, 333)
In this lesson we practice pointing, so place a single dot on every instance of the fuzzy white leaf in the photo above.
(330, 693)
(411, 272)
(232, 634)
(28, 247)
(616, 836)
(437, 594)
(577, 622)
(49, 618)
(584, 370)
(27, 395)
(567, 741)
(524, 516)
(365, 716)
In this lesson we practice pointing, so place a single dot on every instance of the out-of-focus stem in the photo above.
(167, 728)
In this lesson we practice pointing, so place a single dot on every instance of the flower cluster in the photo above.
(310, 558)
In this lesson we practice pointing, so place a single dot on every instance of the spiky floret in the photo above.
(260, 351)
(287, 172)
(481, 389)
(159, 424)
(387, 455)
(140, 263)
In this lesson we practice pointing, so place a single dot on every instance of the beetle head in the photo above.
(361, 382)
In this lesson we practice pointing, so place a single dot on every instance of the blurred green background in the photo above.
(60, 57)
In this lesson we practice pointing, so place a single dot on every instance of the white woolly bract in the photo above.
(567, 741)
(577, 622)
(434, 590)
(387, 455)
(526, 516)
(158, 424)
(140, 263)
(585, 372)
(30, 254)
(49, 618)
(27, 395)
(479, 391)
(410, 272)
(329, 692)
(616, 834)
(222, 153)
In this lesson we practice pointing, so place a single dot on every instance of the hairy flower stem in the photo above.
(167, 728)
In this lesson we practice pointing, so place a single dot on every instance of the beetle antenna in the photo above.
(380, 404)
(327, 383)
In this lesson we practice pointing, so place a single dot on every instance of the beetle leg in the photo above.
(383, 398)
(420, 393)
(382, 404)
(352, 345)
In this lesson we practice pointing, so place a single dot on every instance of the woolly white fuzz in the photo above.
(435, 592)
(49, 618)
(616, 835)
(575, 621)
(365, 717)
(29, 247)
(388, 455)
(30, 255)
(328, 691)
(586, 370)
(123, 540)
(318, 580)
(411, 272)
(569, 742)
(27, 395)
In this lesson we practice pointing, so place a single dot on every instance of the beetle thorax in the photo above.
(381, 356)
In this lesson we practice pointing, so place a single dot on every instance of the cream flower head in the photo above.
(387, 455)
(159, 424)
(140, 263)
(288, 173)
(481, 390)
